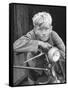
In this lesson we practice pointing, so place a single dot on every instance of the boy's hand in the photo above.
(45, 45)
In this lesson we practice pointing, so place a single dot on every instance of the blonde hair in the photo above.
(42, 17)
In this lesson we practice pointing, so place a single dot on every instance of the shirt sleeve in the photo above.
(26, 43)
(59, 43)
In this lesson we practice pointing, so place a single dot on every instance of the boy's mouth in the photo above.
(44, 38)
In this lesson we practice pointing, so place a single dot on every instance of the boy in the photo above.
(43, 36)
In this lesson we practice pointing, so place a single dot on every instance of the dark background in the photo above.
(22, 23)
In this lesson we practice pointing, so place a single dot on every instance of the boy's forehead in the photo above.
(43, 26)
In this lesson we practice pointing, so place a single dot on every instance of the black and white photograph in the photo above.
(37, 40)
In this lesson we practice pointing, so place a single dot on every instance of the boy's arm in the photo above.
(26, 43)
(59, 43)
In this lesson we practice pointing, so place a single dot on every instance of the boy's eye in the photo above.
(44, 28)
(40, 24)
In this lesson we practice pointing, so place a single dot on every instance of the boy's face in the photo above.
(43, 32)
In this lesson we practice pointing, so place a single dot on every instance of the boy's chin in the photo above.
(43, 39)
